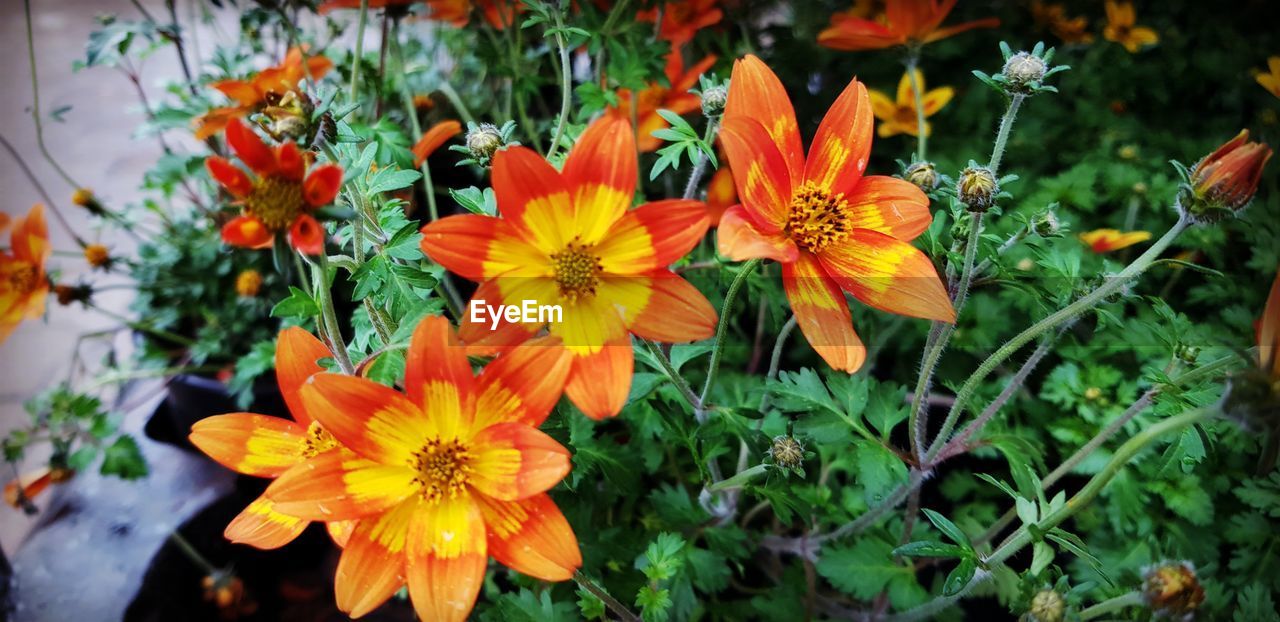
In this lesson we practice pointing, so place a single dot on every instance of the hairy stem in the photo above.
(566, 86)
(683, 387)
(922, 138)
(700, 166)
(355, 66)
(1002, 135)
(612, 603)
(717, 349)
(328, 315)
(35, 101)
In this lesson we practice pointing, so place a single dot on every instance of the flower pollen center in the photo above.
(443, 468)
(276, 201)
(318, 441)
(817, 218)
(577, 270)
(22, 277)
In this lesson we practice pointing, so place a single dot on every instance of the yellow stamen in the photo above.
(443, 468)
(22, 277)
(577, 271)
(276, 201)
(817, 218)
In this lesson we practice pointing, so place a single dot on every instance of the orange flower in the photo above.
(256, 92)
(264, 446)
(1107, 240)
(280, 198)
(433, 138)
(442, 478)
(682, 19)
(906, 22)
(5, 220)
(1054, 17)
(831, 227)
(330, 5)
(1120, 27)
(721, 193)
(675, 98)
(1269, 335)
(30, 485)
(1226, 180)
(568, 239)
(498, 13)
(899, 117)
(1270, 79)
(23, 284)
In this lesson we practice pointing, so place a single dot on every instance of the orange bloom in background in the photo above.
(1269, 334)
(1120, 27)
(569, 239)
(23, 283)
(899, 117)
(1054, 17)
(682, 19)
(675, 98)
(905, 22)
(433, 139)
(721, 193)
(280, 198)
(442, 477)
(330, 5)
(4, 222)
(1107, 240)
(264, 446)
(830, 227)
(31, 485)
(498, 13)
(1270, 79)
(252, 94)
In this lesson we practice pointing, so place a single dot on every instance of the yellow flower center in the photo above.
(817, 218)
(318, 441)
(22, 277)
(443, 468)
(276, 201)
(577, 270)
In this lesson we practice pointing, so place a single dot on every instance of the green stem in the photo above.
(740, 479)
(327, 313)
(1111, 605)
(1002, 135)
(355, 66)
(612, 603)
(717, 349)
(159, 372)
(1111, 286)
(191, 553)
(146, 328)
(922, 138)
(35, 101)
(566, 86)
(454, 99)
(683, 387)
(700, 167)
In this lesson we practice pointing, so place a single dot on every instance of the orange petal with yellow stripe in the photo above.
(888, 274)
(676, 312)
(599, 382)
(515, 461)
(481, 338)
(764, 184)
(652, 236)
(371, 569)
(533, 197)
(822, 314)
(438, 378)
(339, 485)
(372, 420)
(340, 531)
(252, 151)
(523, 384)
(531, 537)
(251, 444)
(889, 205)
(738, 239)
(247, 232)
(479, 247)
(601, 173)
(721, 193)
(756, 93)
(297, 356)
(842, 145)
(446, 559)
(259, 525)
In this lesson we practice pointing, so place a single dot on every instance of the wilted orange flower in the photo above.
(31, 485)
(1107, 240)
(1054, 17)
(1226, 180)
(256, 92)
(1120, 27)
(568, 239)
(280, 198)
(905, 22)
(899, 117)
(722, 194)
(442, 478)
(433, 139)
(264, 446)
(682, 19)
(675, 98)
(1270, 79)
(829, 226)
(23, 284)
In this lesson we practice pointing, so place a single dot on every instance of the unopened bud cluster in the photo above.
(1024, 73)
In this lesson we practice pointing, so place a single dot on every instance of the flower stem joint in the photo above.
(1223, 183)
(1024, 73)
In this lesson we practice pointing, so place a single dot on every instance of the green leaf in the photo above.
(960, 577)
(862, 570)
(299, 305)
(123, 459)
(879, 471)
(948, 528)
(927, 548)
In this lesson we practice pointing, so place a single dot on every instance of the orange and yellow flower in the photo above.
(1270, 79)
(280, 198)
(722, 194)
(899, 117)
(264, 446)
(23, 284)
(253, 94)
(1121, 27)
(1054, 17)
(433, 139)
(569, 239)
(441, 477)
(905, 22)
(682, 19)
(1107, 240)
(675, 98)
(497, 13)
(831, 227)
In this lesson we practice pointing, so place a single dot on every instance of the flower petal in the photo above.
(30, 238)
(247, 232)
(523, 384)
(296, 354)
(1269, 332)
(889, 205)
(592, 321)
(446, 559)
(888, 274)
(251, 444)
(371, 569)
(601, 172)
(239, 90)
(340, 485)
(322, 185)
(438, 378)
(260, 158)
(951, 31)
(532, 537)
(840, 149)
(372, 420)
(652, 236)
(855, 34)
(479, 247)
(433, 139)
(533, 197)
(738, 239)
(307, 235)
(676, 311)
(599, 382)
(259, 525)
(756, 93)
(236, 181)
(822, 314)
(289, 162)
(340, 531)
(477, 329)
(764, 185)
(516, 461)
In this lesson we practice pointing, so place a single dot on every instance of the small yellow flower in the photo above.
(97, 255)
(1270, 79)
(900, 117)
(248, 283)
(1121, 29)
(1107, 240)
(82, 197)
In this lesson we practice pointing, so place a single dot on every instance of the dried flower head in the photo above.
(1172, 590)
(67, 294)
(978, 188)
(97, 255)
(483, 141)
(1046, 606)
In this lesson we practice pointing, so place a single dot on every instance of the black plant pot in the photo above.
(192, 398)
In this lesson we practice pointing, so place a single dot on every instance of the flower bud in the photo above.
(248, 283)
(1172, 590)
(713, 100)
(1024, 69)
(923, 174)
(978, 188)
(85, 198)
(97, 255)
(483, 141)
(1092, 393)
(67, 294)
(1225, 181)
(1046, 606)
(1045, 224)
(1187, 354)
(787, 452)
